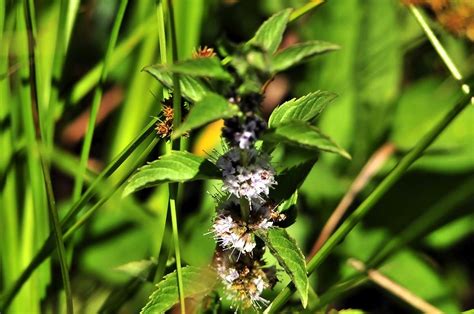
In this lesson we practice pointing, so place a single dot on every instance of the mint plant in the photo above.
(254, 201)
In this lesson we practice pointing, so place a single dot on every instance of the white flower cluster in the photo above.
(252, 181)
(245, 285)
(236, 234)
(247, 179)
(230, 235)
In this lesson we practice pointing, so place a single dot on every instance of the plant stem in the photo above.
(58, 237)
(96, 101)
(176, 145)
(53, 214)
(375, 196)
(439, 48)
(394, 288)
(297, 13)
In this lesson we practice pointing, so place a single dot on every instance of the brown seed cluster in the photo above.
(164, 127)
(203, 52)
(457, 16)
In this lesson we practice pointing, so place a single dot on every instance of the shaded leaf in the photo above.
(197, 282)
(193, 89)
(210, 108)
(137, 268)
(202, 67)
(298, 53)
(302, 134)
(269, 35)
(290, 180)
(174, 167)
(306, 108)
(290, 257)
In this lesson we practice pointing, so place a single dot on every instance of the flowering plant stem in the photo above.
(373, 198)
(175, 145)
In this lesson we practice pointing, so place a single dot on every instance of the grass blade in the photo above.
(97, 98)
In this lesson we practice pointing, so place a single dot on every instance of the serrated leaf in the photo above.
(176, 166)
(197, 282)
(210, 108)
(201, 67)
(306, 108)
(300, 133)
(290, 257)
(298, 53)
(269, 35)
(193, 89)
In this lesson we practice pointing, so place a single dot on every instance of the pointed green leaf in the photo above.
(197, 282)
(306, 108)
(290, 257)
(201, 67)
(193, 89)
(302, 134)
(210, 108)
(174, 167)
(298, 53)
(269, 35)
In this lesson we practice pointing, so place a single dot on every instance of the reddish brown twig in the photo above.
(394, 288)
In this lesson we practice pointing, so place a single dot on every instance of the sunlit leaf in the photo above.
(302, 134)
(210, 108)
(177, 166)
(269, 35)
(298, 53)
(290, 257)
(197, 282)
(192, 88)
(201, 67)
(306, 108)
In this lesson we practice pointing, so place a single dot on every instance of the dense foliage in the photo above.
(236, 156)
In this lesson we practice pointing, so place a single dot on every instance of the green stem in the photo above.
(373, 198)
(439, 48)
(162, 219)
(58, 237)
(96, 101)
(176, 145)
(53, 214)
(297, 13)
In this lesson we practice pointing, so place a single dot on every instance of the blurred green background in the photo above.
(392, 89)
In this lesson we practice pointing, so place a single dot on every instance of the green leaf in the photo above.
(201, 67)
(298, 53)
(193, 89)
(300, 133)
(197, 283)
(306, 108)
(174, 167)
(290, 257)
(290, 180)
(269, 35)
(210, 108)
(137, 268)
